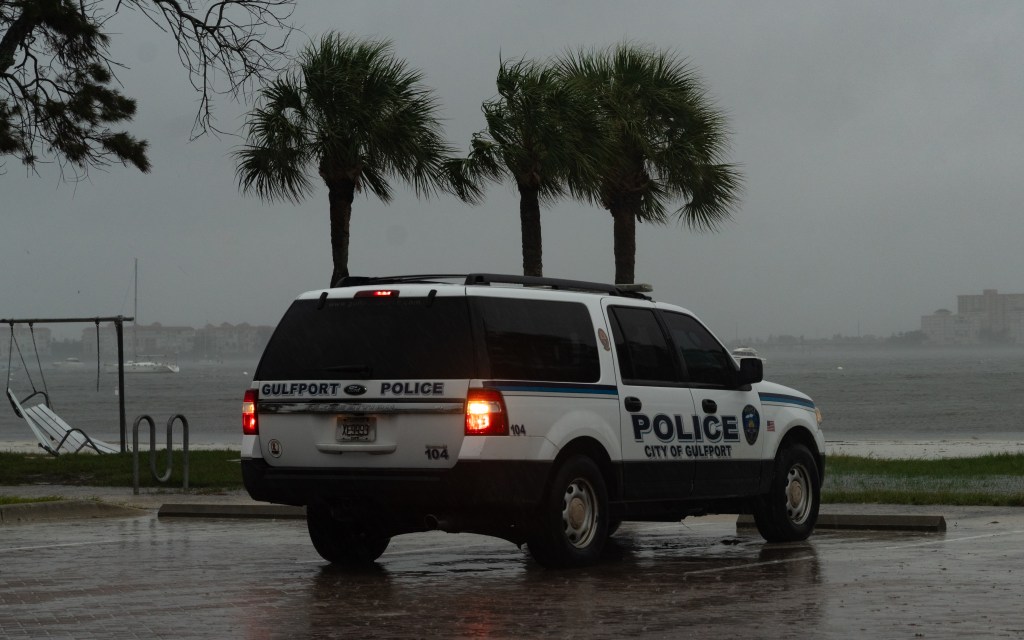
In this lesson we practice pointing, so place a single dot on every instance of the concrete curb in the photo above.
(62, 510)
(867, 522)
(231, 511)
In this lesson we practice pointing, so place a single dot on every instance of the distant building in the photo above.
(231, 340)
(142, 340)
(169, 342)
(25, 338)
(991, 317)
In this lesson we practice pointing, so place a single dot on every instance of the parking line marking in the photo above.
(59, 545)
(947, 540)
(750, 565)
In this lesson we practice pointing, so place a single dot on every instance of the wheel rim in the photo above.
(798, 494)
(579, 513)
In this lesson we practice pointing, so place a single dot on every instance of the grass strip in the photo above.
(951, 498)
(990, 480)
(991, 464)
(208, 469)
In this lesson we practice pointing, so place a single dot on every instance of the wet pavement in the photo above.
(148, 577)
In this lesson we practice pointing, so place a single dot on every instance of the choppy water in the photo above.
(910, 394)
(209, 396)
(953, 394)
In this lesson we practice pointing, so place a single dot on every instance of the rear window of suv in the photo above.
(371, 338)
(409, 338)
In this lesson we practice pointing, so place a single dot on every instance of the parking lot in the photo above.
(149, 577)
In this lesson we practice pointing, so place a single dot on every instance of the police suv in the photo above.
(538, 410)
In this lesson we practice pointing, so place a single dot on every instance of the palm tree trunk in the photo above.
(340, 194)
(529, 220)
(624, 212)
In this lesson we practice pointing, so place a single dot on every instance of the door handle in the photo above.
(709, 406)
(632, 404)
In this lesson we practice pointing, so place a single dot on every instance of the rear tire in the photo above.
(573, 523)
(789, 511)
(343, 542)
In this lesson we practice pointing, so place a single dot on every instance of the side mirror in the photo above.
(751, 371)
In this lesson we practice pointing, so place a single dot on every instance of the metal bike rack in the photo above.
(152, 450)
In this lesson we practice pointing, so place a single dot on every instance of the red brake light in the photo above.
(485, 413)
(250, 422)
(377, 293)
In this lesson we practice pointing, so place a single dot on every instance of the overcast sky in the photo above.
(880, 144)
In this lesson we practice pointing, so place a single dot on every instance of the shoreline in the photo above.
(922, 449)
(932, 449)
(31, 446)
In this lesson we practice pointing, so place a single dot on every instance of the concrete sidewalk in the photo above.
(148, 498)
(99, 502)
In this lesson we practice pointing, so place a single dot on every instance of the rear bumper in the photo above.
(465, 487)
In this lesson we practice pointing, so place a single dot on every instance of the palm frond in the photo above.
(540, 129)
(463, 180)
(661, 135)
(274, 162)
(372, 179)
(484, 159)
(353, 111)
(715, 190)
(272, 174)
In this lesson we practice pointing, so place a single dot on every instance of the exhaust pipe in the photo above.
(437, 523)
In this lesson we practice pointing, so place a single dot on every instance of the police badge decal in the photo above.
(751, 424)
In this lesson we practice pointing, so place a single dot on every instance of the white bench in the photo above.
(53, 433)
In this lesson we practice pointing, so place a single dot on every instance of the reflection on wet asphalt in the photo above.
(143, 577)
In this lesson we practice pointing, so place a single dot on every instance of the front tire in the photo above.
(343, 542)
(573, 524)
(789, 511)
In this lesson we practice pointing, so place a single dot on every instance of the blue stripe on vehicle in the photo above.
(779, 398)
(553, 387)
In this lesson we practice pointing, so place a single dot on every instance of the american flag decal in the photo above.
(771, 425)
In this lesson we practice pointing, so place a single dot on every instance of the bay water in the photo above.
(865, 395)
(910, 394)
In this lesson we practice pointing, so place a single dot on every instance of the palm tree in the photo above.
(664, 143)
(355, 114)
(536, 129)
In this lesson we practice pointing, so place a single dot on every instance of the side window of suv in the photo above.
(707, 362)
(539, 340)
(644, 354)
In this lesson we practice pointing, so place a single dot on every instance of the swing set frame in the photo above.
(119, 329)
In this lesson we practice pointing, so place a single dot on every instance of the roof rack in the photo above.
(361, 281)
(629, 291)
(555, 283)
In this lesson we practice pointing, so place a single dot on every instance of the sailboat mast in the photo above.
(135, 314)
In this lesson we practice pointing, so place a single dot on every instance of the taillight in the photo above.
(485, 413)
(250, 423)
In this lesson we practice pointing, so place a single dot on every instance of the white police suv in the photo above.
(537, 410)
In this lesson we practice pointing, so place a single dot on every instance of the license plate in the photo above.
(361, 429)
